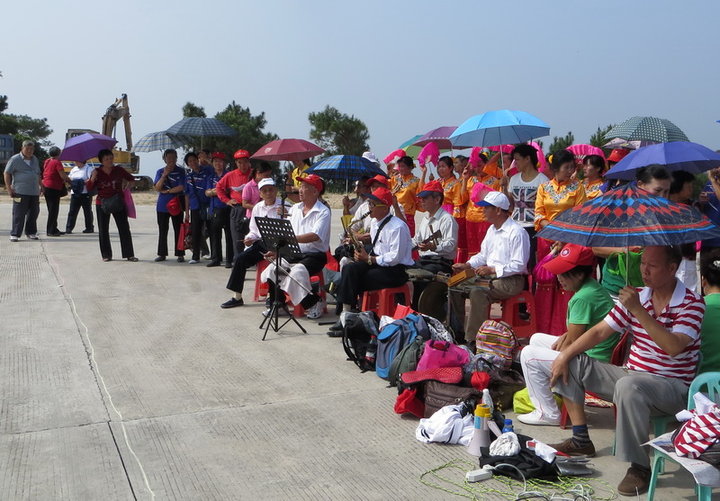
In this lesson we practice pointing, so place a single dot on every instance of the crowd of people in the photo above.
(481, 216)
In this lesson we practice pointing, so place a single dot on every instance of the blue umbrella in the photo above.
(348, 167)
(86, 146)
(499, 127)
(678, 155)
(158, 141)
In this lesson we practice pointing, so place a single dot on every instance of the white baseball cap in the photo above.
(369, 155)
(265, 182)
(495, 199)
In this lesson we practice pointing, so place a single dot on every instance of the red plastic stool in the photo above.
(511, 314)
(261, 288)
(383, 301)
(299, 311)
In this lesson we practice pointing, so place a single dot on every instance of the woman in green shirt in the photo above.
(574, 267)
(710, 333)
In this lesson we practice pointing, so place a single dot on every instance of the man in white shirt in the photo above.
(310, 220)
(390, 254)
(503, 258)
(254, 246)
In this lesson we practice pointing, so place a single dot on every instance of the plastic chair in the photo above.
(511, 314)
(710, 381)
(384, 301)
(261, 288)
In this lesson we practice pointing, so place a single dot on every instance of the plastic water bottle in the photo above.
(508, 426)
(487, 399)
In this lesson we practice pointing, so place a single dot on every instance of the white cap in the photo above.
(268, 181)
(369, 155)
(496, 199)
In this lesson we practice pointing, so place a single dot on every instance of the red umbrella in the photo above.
(288, 149)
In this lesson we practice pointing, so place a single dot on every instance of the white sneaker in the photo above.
(34, 236)
(193, 261)
(315, 311)
(14, 239)
(536, 418)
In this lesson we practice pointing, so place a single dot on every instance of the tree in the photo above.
(23, 127)
(192, 110)
(598, 139)
(560, 143)
(338, 133)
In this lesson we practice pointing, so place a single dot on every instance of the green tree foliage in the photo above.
(23, 127)
(338, 133)
(192, 110)
(3, 103)
(598, 139)
(560, 143)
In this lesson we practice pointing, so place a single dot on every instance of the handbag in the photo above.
(113, 204)
(442, 354)
(184, 237)
(438, 395)
(174, 206)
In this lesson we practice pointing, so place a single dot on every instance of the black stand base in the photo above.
(273, 320)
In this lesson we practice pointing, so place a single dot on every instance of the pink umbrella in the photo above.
(438, 136)
(429, 154)
(394, 156)
(288, 149)
(582, 150)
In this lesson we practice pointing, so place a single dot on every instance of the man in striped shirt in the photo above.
(664, 319)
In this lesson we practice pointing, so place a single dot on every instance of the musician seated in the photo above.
(269, 206)
(437, 252)
(502, 259)
(310, 220)
(390, 253)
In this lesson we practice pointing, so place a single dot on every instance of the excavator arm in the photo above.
(119, 109)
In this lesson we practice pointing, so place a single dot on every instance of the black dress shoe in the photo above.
(88, 231)
(337, 326)
(56, 234)
(160, 258)
(212, 264)
(181, 259)
(68, 232)
(228, 264)
(232, 303)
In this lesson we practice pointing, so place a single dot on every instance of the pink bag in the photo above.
(442, 354)
(129, 204)
(541, 275)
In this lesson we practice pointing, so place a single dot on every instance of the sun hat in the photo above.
(268, 181)
(495, 199)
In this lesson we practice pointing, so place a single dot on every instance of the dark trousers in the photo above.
(198, 224)
(219, 224)
(163, 221)
(435, 264)
(247, 258)
(76, 202)
(533, 249)
(358, 277)
(121, 221)
(239, 227)
(314, 262)
(25, 214)
(52, 200)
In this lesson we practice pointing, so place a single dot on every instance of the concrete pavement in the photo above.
(120, 379)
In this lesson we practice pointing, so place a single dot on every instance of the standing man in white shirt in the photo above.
(503, 258)
(390, 254)
(310, 220)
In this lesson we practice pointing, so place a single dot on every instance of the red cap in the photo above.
(432, 187)
(381, 196)
(313, 180)
(570, 256)
(618, 154)
(218, 154)
(241, 154)
(377, 179)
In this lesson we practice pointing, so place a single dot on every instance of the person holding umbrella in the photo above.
(170, 185)
(55, 183)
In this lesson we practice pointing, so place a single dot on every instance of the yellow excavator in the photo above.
(124, 158)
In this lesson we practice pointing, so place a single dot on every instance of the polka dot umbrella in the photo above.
(658, 130)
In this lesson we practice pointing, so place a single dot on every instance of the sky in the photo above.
(403, 67)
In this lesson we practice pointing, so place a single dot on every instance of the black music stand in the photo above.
(277, 234)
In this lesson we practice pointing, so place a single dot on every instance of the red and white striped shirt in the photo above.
(682, 315)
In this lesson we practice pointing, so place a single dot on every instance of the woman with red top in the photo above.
(110, 180)
(54, 180)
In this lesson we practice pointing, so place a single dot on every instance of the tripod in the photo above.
(278, 234)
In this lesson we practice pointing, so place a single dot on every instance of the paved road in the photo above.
(126, 380)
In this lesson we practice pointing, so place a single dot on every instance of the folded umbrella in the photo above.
(679, 155)
(86, 146)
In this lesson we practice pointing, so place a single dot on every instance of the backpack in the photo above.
(394, 337)
(496, 342)
(406, 360)
(360, 331)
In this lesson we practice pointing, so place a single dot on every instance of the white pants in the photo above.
(536, 359)
(298, 288)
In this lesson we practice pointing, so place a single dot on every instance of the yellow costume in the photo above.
(453, 197)
(473, 213)
(405, 188)
(592, 190)
(553, 198)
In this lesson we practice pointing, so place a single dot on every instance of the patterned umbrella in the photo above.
(678, 155)
(348, 167)
(409, 146)
(158, 141)
(659, 130)
(86, 146)
(438, 136)
(499, 127)
(628, 216)
(288, 149)
(201, 126)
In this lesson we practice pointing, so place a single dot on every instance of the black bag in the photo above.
(113, 204)
(406, 360)
(360, 332)
(77, 185)
(63, 191)
(531, 465)
(503, 386)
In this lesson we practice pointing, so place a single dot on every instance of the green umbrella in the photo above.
(659, 130)
(410, 149)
